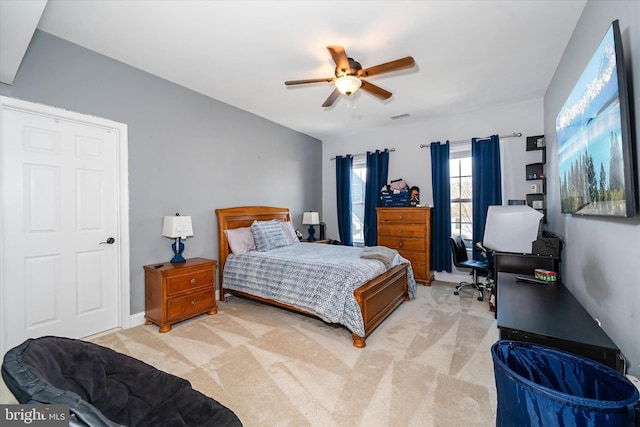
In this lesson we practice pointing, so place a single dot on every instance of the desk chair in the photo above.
(461, 260)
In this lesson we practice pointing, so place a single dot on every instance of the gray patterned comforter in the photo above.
(317, 278)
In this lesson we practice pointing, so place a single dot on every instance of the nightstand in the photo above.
(176, 292)
(315, 241)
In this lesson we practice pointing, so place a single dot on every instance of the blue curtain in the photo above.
(487, 183)
(441, 219)
(344, 166)
(377, 171)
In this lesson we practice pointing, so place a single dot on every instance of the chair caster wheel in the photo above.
(480, 299)
(455, 292)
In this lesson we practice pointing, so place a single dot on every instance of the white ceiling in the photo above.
(469, 54)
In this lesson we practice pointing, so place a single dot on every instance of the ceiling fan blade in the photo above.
(332, 98)
(374, 90)
(339, 57)
(299, 82)
(398, 64)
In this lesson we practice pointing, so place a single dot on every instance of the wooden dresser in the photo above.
(409, 231)
(175, 292)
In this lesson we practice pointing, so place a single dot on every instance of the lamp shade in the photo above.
(177, 226)
(348, 84)
(511, 228)
(311, 218)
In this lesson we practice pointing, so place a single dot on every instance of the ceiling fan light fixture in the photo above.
(348, 84)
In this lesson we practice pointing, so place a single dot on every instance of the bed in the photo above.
(365, 307)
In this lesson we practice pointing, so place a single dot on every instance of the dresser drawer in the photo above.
(402, 243)
(417, 260)
(401, 230)
(186, 306)
(190, 280)
(419, 271)
(416, 215)
(415, 257)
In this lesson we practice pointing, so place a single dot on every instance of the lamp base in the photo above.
(311, 231)
(177, 247)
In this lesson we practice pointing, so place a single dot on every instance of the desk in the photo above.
(509, 262)
(526, 264)
(550, 315)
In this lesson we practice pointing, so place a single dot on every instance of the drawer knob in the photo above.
(400, 231)
(193, 281)
(193, 303)
(401, 244)
(400, 217)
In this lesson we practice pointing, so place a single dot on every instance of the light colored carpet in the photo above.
(429, 364)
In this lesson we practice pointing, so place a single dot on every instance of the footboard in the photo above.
(379, 297)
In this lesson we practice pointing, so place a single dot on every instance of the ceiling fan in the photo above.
(350, 75)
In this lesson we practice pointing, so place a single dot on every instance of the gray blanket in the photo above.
(380, 253)
(319, 279)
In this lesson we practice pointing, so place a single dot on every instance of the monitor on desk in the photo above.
(511, 228)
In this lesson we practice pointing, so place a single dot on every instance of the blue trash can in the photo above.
(541, 386)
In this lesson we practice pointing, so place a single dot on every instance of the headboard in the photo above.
(242, 216)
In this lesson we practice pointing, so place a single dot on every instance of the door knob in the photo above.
(109, 241)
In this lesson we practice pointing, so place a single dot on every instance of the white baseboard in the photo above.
(136, 319)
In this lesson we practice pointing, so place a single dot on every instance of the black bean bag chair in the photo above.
(105, 388)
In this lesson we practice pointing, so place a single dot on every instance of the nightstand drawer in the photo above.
(191, 280)
(399, 230)
(189, 305)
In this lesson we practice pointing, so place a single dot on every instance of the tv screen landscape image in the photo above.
(593, 131)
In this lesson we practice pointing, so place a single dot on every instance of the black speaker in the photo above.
(323, 230)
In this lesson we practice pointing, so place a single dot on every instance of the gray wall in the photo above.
(600, 259)
(187, 153)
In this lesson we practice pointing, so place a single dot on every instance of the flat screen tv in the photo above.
(593, 129)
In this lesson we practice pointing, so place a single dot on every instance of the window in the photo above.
(461, 189)
(358, 182)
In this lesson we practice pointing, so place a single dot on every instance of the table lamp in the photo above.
(311, 219)
(177, 227)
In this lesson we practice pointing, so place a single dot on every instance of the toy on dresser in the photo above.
(398, 194)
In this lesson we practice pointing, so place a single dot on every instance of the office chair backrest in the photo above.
(458, 249)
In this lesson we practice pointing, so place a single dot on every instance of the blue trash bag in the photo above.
(541, 386)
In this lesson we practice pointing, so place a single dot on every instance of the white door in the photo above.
(63, 239)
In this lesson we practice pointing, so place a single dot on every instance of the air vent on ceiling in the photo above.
(400, 116)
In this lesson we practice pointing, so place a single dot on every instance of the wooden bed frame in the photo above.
(377, 298)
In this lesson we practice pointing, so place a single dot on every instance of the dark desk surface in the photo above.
(547, 310)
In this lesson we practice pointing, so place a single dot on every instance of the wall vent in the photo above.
(400, 116)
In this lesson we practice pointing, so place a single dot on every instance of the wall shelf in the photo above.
(535, 172)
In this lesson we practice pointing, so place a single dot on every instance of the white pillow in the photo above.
(240, 240)
(290, 232)
(268, 235)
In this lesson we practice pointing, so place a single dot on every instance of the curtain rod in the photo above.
(513, 135)
(391, 150)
